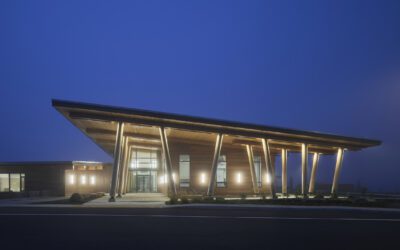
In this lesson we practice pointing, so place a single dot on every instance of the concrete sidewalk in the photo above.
(152, 200)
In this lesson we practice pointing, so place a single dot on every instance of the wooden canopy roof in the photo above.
(99, 122)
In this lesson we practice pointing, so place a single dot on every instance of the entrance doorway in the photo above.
(143, 169)
(142, 182)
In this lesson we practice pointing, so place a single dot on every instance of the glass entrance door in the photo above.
(143, 170)
(143, 184)
(142, 181)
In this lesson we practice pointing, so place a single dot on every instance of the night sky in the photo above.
(329, 66)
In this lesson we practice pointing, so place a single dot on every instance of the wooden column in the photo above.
(124, 166)
(284, 171)
(165, 148)
(213, 173)
(117, 160)
(311, 188)
(269, 167)
(304, 164)
(338, 168)
(126, 173)
(250, 156)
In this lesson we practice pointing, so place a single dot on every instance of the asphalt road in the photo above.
(197, 228)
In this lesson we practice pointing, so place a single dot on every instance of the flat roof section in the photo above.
(48, 163)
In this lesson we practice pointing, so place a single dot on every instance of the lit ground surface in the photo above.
(191, 227)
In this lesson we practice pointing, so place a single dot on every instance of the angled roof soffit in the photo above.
(77, 113)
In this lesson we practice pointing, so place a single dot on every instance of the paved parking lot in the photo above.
(215, 227)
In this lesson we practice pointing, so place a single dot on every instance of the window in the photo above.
(22, 182)
(221, 171)
(15, 183)
(184, 170)
(4, 183)
(257, 166)
(12, 182)
(144, 159)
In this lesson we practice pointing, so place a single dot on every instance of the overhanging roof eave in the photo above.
(74, 110)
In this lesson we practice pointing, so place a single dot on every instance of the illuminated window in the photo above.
(4, 183)
(184, 170)
(144, 159)
(221, 171)
(92, 180)
(83, 179)
(257, 166)
(14, 182)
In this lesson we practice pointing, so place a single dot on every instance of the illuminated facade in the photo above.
(180, 155)
(177, 154)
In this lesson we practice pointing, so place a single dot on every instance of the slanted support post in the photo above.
(213, 173)
(311, 188)
(117, 160)
(250, 156)
(165, 148)
(126, 172)
(124, 166)
(269, 167)
(304, 164)
(338, 168)
(284, 156)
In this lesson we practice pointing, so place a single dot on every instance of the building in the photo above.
(53, 178)
(178, 154)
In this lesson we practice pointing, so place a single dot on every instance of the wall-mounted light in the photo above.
(268, 178)
(239, 178)
(71, 179)
(203, 178)
(92, 180)
(83, 179)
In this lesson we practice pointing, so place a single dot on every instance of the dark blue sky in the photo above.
(330, 66)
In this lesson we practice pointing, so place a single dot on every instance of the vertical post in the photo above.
(284, 171)
(125, 178)
(165, 147)
(269, 167)
(338, 167)
(304, 164)
(123, 167)
(311, 188)
(117, 160)
(217, 151)
(250, 156)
